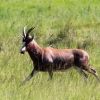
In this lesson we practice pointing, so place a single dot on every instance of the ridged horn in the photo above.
(24, 30)
(30, 31)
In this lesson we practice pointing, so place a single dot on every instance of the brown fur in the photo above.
(50, 59)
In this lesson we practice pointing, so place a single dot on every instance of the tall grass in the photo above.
(60, 24)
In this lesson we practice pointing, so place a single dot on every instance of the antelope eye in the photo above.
(24, 43)
(23, 40)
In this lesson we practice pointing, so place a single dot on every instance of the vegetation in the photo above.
(60, 24)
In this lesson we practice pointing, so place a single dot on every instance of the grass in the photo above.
(60, 24)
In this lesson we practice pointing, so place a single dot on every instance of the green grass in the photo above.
(61, 24)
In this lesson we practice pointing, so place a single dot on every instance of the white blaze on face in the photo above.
(23, 49)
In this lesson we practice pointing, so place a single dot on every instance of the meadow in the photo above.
(60, 24)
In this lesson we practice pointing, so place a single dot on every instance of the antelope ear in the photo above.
(32, 36)
(22, 36)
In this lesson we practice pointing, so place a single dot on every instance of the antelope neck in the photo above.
(35, 50)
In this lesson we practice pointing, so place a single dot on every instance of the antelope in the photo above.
(49, 59)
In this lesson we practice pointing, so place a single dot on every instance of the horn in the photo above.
(30, 31)
(24, 30)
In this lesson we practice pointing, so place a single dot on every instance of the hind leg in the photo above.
(81, 72)
(90, 70)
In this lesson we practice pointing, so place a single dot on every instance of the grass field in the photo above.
(60, 24)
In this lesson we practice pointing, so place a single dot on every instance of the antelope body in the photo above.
(50, 59)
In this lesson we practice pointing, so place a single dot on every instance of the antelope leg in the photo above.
(29, 77)
(50, 74)
(81, 72)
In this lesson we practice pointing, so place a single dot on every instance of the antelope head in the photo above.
(26, 39)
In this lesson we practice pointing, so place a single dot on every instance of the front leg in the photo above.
(50, 74)
(50, 71)
(29, 77)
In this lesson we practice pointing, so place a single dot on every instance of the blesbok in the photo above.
(50, 59)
